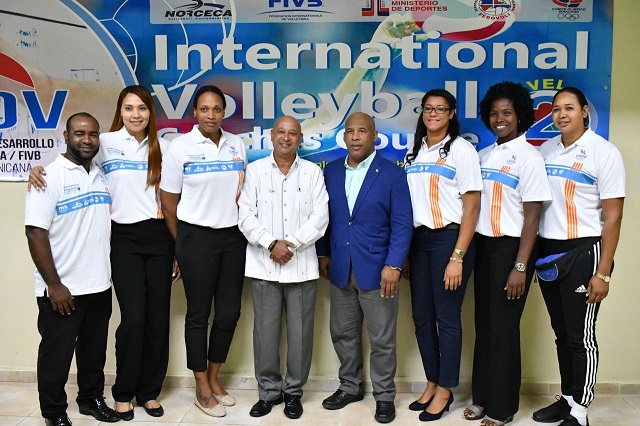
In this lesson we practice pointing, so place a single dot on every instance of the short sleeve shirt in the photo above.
(125, 164)
(75, 210)
(512, 173)
(437, 182)
(581, 175)
(207, 176)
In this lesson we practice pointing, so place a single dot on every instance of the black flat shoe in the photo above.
(292, 406)
(58, 421)
(385, 411)
(124, 415)
(154, 412)
(263, 407)
(426, 416)
(341, 399)
(419, 406)
(98, 408)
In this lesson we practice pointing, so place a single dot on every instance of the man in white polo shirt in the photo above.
(283, 211)
(67, 227)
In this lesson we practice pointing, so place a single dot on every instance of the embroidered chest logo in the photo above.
(582, 155)
(511, 161)
(115, 151)
(71, 188)
(233, 151)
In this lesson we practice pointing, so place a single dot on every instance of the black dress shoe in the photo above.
(385, 411)
(98, 408)
(340, 399)
(263, 407)
(154, 412)
(58, 421)
(292, 406)
(556, 412)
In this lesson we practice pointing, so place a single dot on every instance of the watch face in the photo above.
(521, 267)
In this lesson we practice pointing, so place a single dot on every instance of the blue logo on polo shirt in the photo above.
(508, 179)
(83, 201)
(437, 169)
(212, 167)
(113, 165)
(570, 174)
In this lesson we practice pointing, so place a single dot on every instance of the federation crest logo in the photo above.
(568, 3)
(494, 9)
(568, 9)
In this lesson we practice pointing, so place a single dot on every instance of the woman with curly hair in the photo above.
(444, 178)
(514, 186)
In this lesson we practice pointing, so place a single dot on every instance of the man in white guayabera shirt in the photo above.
(283, 211)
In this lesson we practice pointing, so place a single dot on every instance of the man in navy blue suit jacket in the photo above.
(370, 229)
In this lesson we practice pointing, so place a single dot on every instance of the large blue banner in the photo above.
(317, 60)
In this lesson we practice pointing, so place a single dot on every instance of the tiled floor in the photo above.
(19, 406)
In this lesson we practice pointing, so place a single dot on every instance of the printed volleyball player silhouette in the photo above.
(461, 22)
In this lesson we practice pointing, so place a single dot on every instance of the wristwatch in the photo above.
(605, 278)
(520, 267)
(459, 252)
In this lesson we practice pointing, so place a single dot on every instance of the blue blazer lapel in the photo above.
(374, 171)
(341, 201)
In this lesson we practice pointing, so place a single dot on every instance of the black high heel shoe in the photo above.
(426, 416)
(419, 406)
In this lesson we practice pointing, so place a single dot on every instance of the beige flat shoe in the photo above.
(226, 400)
(217, 411)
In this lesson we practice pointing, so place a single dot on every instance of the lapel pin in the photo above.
(377, 171)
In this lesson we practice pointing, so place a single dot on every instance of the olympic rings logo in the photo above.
(568, 15)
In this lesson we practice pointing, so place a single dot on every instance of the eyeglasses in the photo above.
(439, 109)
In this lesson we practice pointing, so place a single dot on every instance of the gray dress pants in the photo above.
(298, 300)
(349, 307)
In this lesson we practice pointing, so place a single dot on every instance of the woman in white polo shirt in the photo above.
(444, 178)
(202, 173)
(515, 185)
(587, 181)
(142, 250)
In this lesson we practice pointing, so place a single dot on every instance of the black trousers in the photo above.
(212, 266)
(496, 357)
(572, 319)
(141, 265)
(83, 332)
